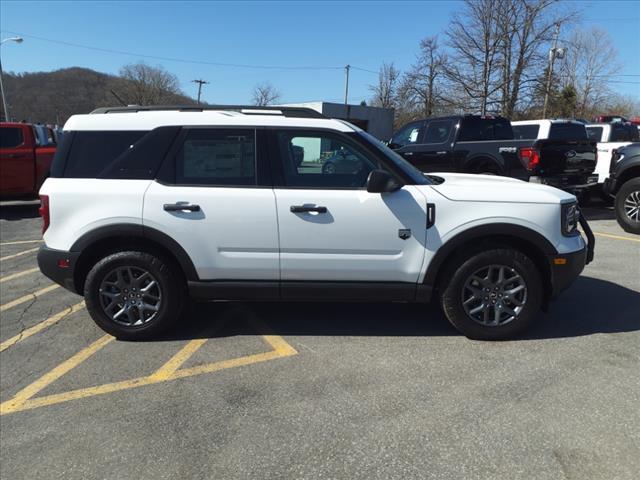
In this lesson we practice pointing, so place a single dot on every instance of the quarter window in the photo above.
(217, 157)
(525, 132)
(322, 160)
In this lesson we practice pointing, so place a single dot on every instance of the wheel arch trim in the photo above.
(139, 232)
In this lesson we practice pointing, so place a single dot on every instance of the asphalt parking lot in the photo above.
(343, 391)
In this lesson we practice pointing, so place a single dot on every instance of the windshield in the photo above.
(412, 172)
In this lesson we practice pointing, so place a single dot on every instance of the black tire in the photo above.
(629, 192)
(169, 286)
(459, 272)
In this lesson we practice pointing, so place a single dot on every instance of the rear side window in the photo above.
(92, 151)
(624, 133)
(11, 137)
(474, 129)
(525, 132)
(594, 133)
(567, 131)
(217, 157)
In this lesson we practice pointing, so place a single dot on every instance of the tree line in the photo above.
(494, 59)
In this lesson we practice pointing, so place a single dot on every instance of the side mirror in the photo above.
(380, 181)
(393, 146)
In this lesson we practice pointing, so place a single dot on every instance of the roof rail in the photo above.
(297, 112)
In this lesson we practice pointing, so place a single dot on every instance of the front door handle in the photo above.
(408, 154)
(179, 207)
(307, 208)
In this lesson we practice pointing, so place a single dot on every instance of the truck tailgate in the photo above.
(566, 157)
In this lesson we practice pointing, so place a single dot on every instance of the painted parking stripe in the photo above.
(617, 237)
(47, 379)
(13, 276)
(20, 242)
(169, 371)
(28, 297)
(40, 326)
(19, 254)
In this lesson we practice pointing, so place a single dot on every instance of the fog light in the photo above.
(63, 263)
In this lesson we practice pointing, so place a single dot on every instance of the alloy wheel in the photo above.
(130, 296)
(632, 206)
(494, 295)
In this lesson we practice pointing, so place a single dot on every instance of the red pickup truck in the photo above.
(24, 160)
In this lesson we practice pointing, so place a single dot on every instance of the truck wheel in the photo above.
(492, 295)
(134, 295)
(627, 206)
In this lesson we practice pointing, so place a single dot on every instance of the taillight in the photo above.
(44, 212)
(530, 157)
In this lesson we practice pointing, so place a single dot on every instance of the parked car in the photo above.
(624, 184)
(486, 144)
(24, 161)
(610, 136)
(609, 119)
(146, 206)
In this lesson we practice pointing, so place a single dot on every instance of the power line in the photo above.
(173, 59)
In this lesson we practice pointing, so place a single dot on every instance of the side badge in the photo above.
(404, 233)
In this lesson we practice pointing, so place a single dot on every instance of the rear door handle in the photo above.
(179, 207)
(307, 208)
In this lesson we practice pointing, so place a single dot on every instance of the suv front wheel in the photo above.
(134, 295)
(492, 295)
(627, 206)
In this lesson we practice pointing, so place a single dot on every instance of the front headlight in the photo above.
(569, 216)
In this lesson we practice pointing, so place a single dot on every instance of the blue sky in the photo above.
(285, 34)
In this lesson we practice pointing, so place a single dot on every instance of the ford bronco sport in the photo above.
(146, 206)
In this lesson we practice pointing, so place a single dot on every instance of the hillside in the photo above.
(51, 97)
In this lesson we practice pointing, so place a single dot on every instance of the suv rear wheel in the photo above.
(492, 295)
(134, 295)
(628, 206)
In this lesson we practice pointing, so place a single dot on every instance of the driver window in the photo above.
(322, 160)
(408, 135)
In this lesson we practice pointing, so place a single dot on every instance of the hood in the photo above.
(492, 188)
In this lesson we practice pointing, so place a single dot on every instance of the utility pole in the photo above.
(552, 57)
(200, 82)
(346, 85)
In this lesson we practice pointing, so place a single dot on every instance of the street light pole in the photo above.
(4, 98)
(346, 84)
(552, 57)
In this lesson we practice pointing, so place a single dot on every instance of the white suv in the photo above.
(147, 206)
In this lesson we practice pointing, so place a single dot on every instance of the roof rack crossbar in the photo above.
(297, 112)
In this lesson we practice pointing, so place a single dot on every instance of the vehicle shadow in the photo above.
(590, 306)
(598, 210)
(19, 211)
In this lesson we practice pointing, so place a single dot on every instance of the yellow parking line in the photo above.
(169, 371)
(169, 368)
(47, 379)
(617, 237)
(21, 242)
(29, 296)
(19, 254)
(18, 275)
(40, 326)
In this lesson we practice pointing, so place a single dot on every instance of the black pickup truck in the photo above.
(486, 144)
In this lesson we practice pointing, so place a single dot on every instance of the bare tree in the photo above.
(421, 84)
(385, 91)
(147, 85)
(474, 37)
(265, 94)
(589, 63)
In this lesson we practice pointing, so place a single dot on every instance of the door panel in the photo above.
(357, 238)
(17, 170)
(233, 235)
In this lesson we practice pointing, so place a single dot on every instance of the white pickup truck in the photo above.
(609, 137)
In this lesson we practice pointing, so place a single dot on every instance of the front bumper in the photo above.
(566, 267)
(59, 266)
